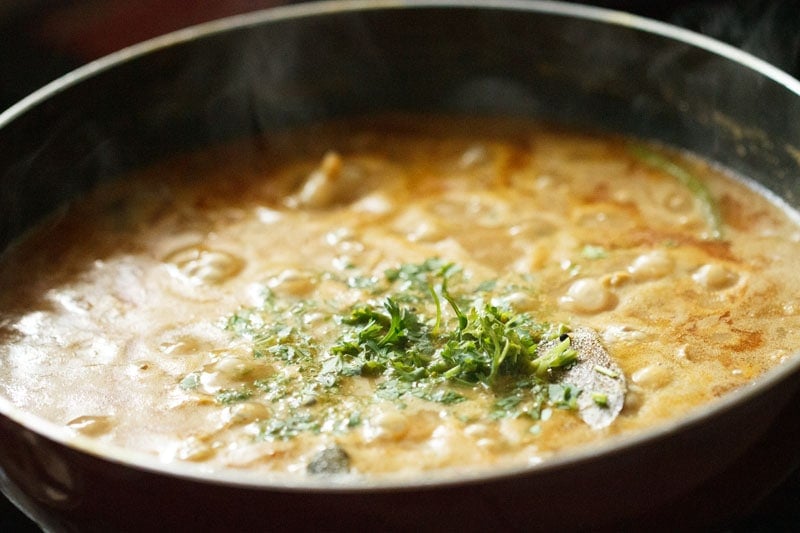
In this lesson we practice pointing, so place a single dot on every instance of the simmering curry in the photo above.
(397, 295)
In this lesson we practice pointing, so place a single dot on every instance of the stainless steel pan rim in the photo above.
(787, 370)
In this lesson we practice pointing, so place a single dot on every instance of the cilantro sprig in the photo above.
(426, 331)
(477, 346)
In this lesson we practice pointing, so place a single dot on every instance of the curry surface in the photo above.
(119, 315)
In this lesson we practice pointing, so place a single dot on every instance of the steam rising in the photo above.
(767, 29)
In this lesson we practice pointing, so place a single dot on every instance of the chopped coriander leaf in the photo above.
(362, 282)
(393, 389)
(444, 396)
(600, 399)
(286, 428)
(525, 398)
(354, 420)
(430, 334)
(559, 356)
(506, 405)
(491, 343)
(284, 342)
(594, 252)
(563, 395)
(191, 381)
(605, 371)
(229, 396)
(274, 388)
(244, 322)
(416, 276)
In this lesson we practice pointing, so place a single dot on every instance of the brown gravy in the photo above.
(136, 316)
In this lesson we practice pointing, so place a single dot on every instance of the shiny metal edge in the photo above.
(322, 7)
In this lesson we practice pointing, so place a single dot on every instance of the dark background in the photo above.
(42, 39)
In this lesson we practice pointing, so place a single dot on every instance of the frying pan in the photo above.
(269, 70)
